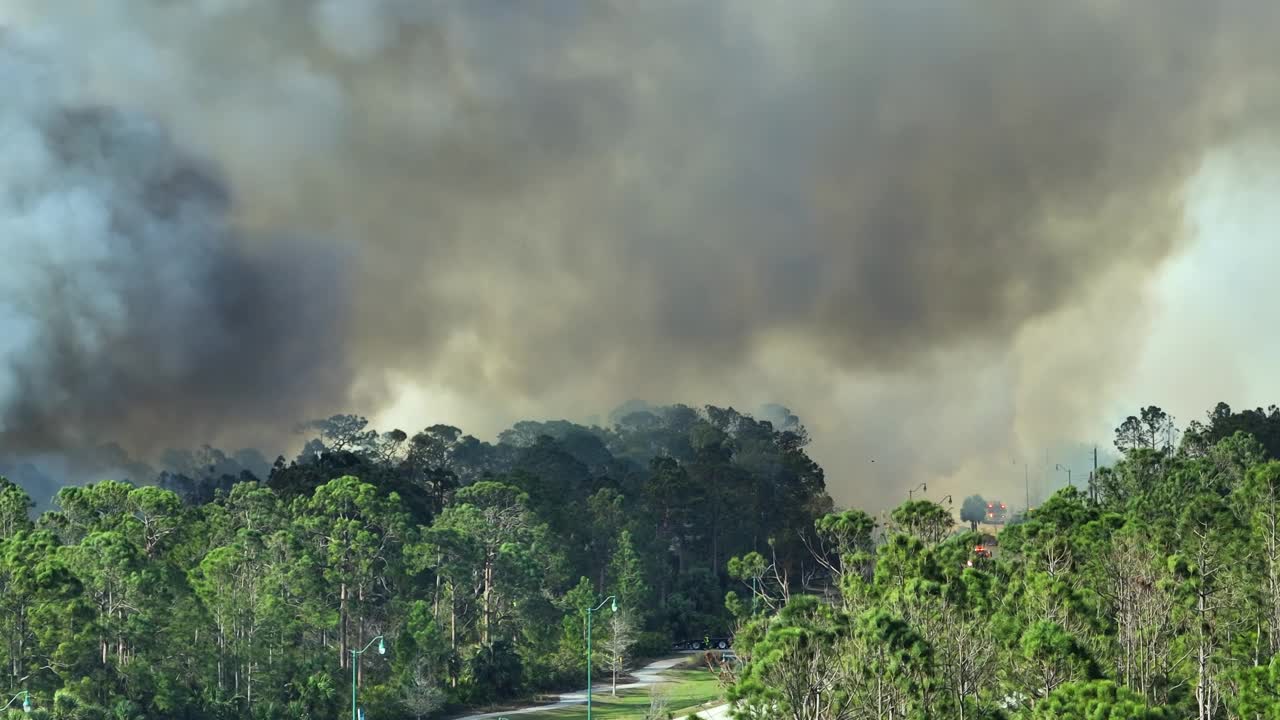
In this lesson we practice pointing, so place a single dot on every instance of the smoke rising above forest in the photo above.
(226, 216)
(131, 305)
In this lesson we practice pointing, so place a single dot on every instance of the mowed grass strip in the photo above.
(686, 691)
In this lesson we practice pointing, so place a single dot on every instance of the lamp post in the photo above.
(1026, 484)
(921, 486)
(1067, 470)
(355, 664)
(26, 701)
(590, 612)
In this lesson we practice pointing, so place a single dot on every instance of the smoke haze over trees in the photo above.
(220, 217)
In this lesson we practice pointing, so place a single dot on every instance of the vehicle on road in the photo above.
(981, 556)
(706, 643)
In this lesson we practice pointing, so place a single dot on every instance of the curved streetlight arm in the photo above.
(614, 598)
(26, 701)
(381, 646)
(1067, 470)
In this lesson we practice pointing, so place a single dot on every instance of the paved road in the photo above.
(648, 675)
(720, 712)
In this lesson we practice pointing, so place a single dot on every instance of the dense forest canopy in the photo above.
(1154, 595)
(215, 593)
(210, 591)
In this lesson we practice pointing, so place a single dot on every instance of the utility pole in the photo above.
(1067, 470)
(1026, 482)
(1093, 476)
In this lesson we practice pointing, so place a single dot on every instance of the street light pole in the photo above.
(26, 702)
(1026, 482)
(922, 486)
(355, 664)
(590, 612)
(1067, 470)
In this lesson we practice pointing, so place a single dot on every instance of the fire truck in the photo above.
(997, 513)
(981, 554)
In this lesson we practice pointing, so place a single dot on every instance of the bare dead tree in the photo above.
(1143, 609)
(617, 646)
(422, 695)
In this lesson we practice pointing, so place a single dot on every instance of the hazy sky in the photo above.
(1214, 310)
(950, 236)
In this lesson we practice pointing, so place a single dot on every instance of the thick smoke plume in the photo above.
(897, 217)
(129, 305)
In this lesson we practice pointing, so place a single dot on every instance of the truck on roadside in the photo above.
(705, 643)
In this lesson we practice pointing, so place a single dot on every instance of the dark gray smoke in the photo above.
(130, 306)
(887, 214)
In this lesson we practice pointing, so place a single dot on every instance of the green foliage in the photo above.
(794, 659)
(627, 578)
(493, 672)
(573, 640)
(923, 519)
(1159, 598)
(1097, 700)
(651, 645)
(208, 594)
(1259, 692)
(1263, 426)
(974, 510)
(15, 508)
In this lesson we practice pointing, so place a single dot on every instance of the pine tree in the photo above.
(627, 578)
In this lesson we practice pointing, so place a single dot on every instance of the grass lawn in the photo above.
(686, 691)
